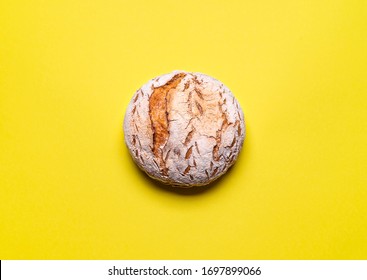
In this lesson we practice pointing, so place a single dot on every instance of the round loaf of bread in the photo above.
(184, 129)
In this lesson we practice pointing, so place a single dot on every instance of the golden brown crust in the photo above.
(158, 111)
(184, 129)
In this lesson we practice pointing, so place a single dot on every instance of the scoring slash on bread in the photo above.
(184, 129)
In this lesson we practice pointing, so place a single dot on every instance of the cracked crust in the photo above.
(158, 112)
(184, 129)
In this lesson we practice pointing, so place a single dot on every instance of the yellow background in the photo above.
(68, 187)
